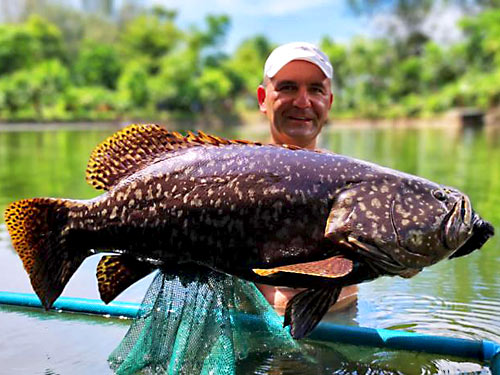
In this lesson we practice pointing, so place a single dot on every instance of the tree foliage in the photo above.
(24, 45)
(59, 64)
(97, 64)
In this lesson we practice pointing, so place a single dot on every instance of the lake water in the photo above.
(459, 298)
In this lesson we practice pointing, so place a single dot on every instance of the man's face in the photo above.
(296, 101)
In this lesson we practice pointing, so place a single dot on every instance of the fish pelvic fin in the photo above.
(137, 146)
(305, 310)
(38, 232)
(115, 273)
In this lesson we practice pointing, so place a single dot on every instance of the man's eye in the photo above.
(286, 88)
(317, 90)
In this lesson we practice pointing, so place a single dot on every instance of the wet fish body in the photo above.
(276, 215)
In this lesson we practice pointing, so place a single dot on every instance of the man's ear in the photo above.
(261, 97)
(331, 100)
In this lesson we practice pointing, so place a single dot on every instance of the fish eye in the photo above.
(440, 195)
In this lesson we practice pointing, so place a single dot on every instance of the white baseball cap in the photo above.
(285, 53)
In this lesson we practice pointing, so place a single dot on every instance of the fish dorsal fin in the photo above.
(137, 146)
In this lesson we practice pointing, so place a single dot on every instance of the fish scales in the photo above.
(284, 183)
(196, 205)
(279, 215)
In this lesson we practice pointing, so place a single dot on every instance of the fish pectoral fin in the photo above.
(265, 272)
(115, 273)
(304, 311)
(333, 267)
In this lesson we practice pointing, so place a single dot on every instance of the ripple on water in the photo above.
(477, 319)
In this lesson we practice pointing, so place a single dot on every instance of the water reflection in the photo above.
(460, 298)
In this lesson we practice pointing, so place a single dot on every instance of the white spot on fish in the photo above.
(114, 213)
(376, 203)
(138, 194)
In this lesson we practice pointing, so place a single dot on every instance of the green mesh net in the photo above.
(200, 322)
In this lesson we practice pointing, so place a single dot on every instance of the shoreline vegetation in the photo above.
(143, 66)
(255, 122)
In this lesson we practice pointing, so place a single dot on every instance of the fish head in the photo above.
(430, 220)
(404, 223)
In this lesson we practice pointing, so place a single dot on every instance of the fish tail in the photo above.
(38, 230)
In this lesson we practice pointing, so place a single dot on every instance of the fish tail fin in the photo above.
(38, 230)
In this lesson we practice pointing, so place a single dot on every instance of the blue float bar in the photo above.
(79, 305)
(482, 350)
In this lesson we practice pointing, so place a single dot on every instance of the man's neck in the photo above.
(309, 146)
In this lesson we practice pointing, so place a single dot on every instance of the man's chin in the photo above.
(303, 133)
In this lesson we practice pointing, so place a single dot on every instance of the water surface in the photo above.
(459, 298)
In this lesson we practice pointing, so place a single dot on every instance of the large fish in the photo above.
(277, 215)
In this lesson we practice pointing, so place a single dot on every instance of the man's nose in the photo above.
(302, 100)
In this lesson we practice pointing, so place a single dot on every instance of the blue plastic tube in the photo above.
(482, 350)
(80, 305)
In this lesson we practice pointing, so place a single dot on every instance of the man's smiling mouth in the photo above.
(299, 118)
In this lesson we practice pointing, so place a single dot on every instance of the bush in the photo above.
(92, 103)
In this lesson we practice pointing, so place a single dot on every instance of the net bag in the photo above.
(199, 322)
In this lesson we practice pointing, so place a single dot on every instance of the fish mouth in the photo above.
(464, 231)
(481, 232)
(458, 224)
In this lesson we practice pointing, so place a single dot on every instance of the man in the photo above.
(296, 97)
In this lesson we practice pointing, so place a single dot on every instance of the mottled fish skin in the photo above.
(239, 207)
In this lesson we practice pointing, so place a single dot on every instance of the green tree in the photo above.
(23, 45)
(214, 87)
(337, 53)
(133, 85)
(244, 67)
(174, 87)
(367, 72)
(483, 39)
(410, 13)
(180, 74)
(30, 91)
(217, 27)
(151, 35)
(98, 65)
